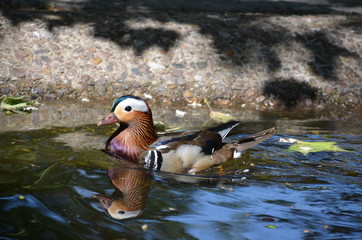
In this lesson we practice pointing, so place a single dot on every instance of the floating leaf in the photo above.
(16, 104)
(271, 226)
(308, 147)
(218, 116)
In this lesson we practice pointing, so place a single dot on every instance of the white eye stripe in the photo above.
(135, 104)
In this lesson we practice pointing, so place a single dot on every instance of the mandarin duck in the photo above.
(134, 184)
(136, 140)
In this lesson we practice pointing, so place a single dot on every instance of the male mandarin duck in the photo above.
(136, 138)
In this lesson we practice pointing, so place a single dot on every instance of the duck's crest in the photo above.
(121, 99)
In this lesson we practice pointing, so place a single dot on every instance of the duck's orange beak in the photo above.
(111, 118)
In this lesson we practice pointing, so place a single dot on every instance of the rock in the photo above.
(18, 72)
(45, 59)
(42, 51)
(198, 77)
(178, 65)
(250, 93)
(96, 60)
(223, 102)
(154, 67)
(201, 65)
(84, 77)
(4, 90)
(109, 68)
(49, 97)
(260, 99)
(37, 91)
(43, 33)
(21, 54)
(46, 71)
(136, 71)
(188, 94)
(54, 46)
(122, 77)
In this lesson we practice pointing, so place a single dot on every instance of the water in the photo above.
(51, 166)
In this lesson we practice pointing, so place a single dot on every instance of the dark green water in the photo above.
(49, 174)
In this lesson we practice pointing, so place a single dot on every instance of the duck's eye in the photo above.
(121, 212)
(128, 108)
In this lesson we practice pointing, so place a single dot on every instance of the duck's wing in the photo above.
(249, 141)
(231, 150)
(223, 130)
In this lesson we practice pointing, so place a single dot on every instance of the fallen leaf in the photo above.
(16, 104)
(308, 147)
(271, 226)
(219, 116)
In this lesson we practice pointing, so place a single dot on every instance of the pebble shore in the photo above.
(258, 60)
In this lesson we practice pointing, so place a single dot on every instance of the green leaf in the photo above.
(15, 103)
(271, 226)
(218, 116)
(308, 147)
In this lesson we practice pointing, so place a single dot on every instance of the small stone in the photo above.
(45, 59)
(223, 102)
(250, 93)
(308, 102)
(43, 33)
(42, 51)
(172, 86)
(20, 54)
(96, 60)
(46, 71)
(49, 97)
(201, 65)
(4, 90)
(122, 77)
(54, 46)
(37, 91)
(178, 65)
(136, 71)
(198, 77)
(84, 77)
(154, 67)
(260, 99)
(18, 72)
(109, 68)
(91, 49)
(188, 94)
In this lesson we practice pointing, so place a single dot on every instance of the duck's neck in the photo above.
(130, 140)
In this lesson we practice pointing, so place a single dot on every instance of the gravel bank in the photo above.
(258, 60)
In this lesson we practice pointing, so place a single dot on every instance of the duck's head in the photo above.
(118, 209)
(127, 109)
(135, 132)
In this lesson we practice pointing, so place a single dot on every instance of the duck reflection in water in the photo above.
(134, 185)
